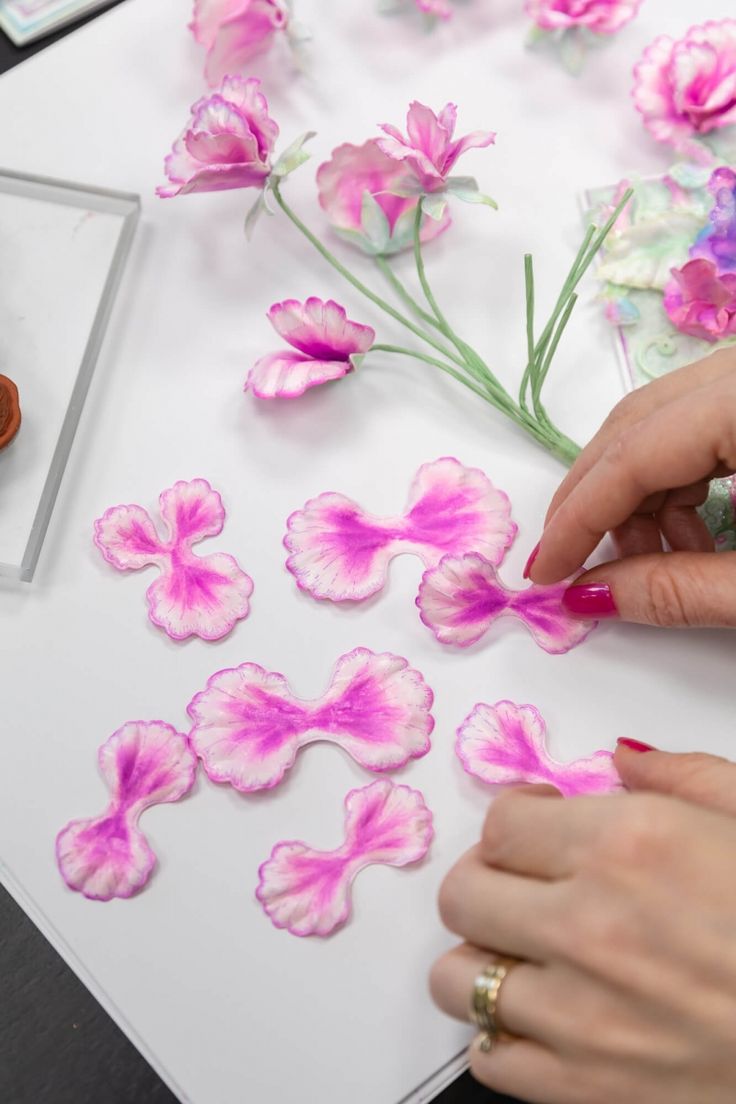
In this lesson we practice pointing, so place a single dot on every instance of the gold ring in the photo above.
(484, 1001)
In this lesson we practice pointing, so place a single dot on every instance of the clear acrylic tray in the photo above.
(63, 249)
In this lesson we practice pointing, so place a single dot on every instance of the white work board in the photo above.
(227, 1008)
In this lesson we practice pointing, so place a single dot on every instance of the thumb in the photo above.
(670, 589)
(701, 779)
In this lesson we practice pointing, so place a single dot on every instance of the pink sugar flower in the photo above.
(328, 346)
(687, 88)
(227, 144)
(431, 151)
(702, 303)
(234, 31)
(363, 192)
(601, 17)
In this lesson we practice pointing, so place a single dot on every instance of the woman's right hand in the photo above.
(642, 478)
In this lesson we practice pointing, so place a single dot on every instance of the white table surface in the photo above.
(227, 1008)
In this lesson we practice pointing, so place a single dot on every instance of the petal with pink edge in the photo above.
(127, 538)
(320, 328)
(308, 892)
(340, 552)
(202, 596)
(248, 725)
(505, 744)
(462, 598)
(144, 763)
(288, 375)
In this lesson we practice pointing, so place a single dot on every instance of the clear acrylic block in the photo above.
(63, 248)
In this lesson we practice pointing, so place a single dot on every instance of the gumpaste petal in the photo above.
(144, 763)
(248, 725)
(308, 892)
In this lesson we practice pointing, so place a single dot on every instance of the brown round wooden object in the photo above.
(9, 411)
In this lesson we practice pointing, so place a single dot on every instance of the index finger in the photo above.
(687, 440)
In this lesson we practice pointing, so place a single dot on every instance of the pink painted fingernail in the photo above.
(590, 600)
(530, 561)
(634, 745)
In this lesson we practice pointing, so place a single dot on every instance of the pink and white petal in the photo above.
(247, 95)
(246, 727)
(542, 611)
(504, 744)
(147, 763)
(192, 511)
(201, 596)
(337, 550)
(104, 857)
(386, 823)
(287, 375)
(377, 709)
(237, 42)
(217, 178)
(305, 891)
(595, 774)
(454, 510)
(127, 538)
(427, 134)
(460, 598)
(208, 15)
(320, 329)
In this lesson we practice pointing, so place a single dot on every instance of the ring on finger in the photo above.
(484, 1000)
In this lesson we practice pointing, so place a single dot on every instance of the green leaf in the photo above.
(254, 214)
(292, 157)
(466, 188)
(434, 205)
(374, 223)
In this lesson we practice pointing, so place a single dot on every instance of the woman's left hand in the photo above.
(623, 912)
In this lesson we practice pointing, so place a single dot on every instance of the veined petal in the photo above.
(287, 375)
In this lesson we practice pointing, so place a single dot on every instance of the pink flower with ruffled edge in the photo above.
(601, 17)
(194, 595)
(505, 745)
(701, 303)
(308, 891)
(144, 763)
(235, 31)
(228, 143)
(338, 551)
(248, 726)
(429, 148)
(357, 190)
(687, 88)
(328, 346)
(438, 9)
(462, 598)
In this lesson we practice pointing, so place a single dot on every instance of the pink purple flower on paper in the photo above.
(144, 763)
(339, 551)
(505, 745)
(702, 303)
(430, 150)
(227, 144)
(603, 17)
(462, 598)
(247, 725)
(233, 32)
(686, 88)
(326, 345)
(194, 595)
(363, 192)
(717, 241)
(308, 892)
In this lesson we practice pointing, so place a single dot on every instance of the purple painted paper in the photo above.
(340, 552)
(462, 598)
(248, 726)
(308, 892)
(505, 745)
(194, 595)
(144, 763)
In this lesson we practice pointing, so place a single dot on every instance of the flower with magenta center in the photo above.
(357, 191)
(429, 147)
(687, 88)
(326, 344)
(598, 16)
(702, 303)
(235, 31)
(227, 144)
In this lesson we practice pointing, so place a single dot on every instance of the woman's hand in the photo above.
(642, 477)
(623, 909)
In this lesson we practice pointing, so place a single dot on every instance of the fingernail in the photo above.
(530, 561)
(590, 600)
(634, 745)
